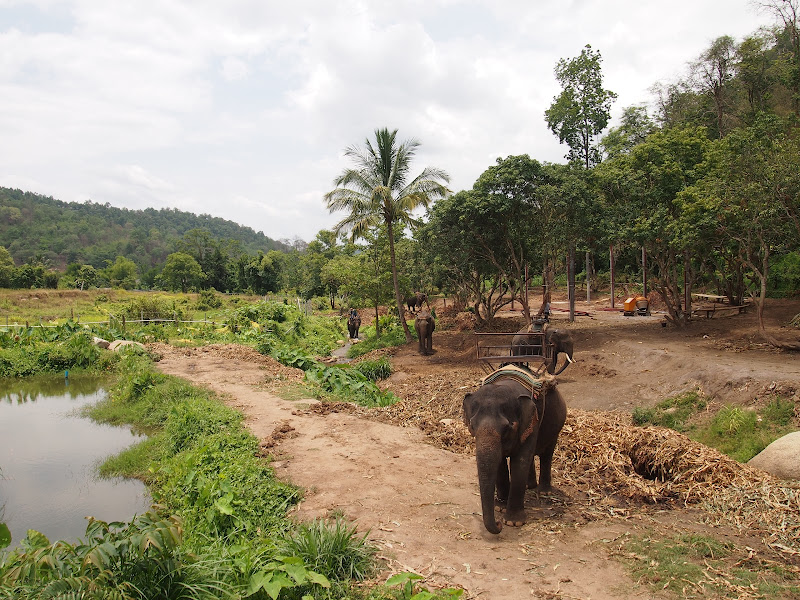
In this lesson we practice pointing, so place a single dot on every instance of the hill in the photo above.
(60, 233)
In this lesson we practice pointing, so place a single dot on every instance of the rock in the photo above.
(781, 458)
(117, 344)
(100, 342)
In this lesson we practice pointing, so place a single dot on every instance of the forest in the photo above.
(698, 191)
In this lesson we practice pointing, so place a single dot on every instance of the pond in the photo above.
(49, 456)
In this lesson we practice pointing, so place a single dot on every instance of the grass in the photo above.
(333, 549)
(219, 520)
(673, 412)
(692, 565)
(390, 337)
(742, 433)
(737, 432)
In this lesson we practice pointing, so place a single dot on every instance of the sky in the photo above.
(242, 109)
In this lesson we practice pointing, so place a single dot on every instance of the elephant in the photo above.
(353, 324)
(511, 426)
(527, 343)
(415, 300)
(424, 324)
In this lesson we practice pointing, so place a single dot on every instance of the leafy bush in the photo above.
(149, 307)
(138, 560)
(350, 385)
(784, 275)
(261, 312)
(208, 299)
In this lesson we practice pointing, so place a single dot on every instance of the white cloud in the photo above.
(242, 109)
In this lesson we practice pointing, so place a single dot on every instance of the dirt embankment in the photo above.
(406, 473)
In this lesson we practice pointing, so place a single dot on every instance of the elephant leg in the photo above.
(519, 469)
(532, 474)
(502, 483)
(545, 467)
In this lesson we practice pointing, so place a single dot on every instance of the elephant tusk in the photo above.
(569, 359)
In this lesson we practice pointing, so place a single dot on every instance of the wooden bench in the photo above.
(720, 309)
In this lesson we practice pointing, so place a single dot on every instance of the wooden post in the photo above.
(644, 272)
(611, 263)
(571, 281)
(588, 278)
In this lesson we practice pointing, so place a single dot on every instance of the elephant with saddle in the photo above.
(528, 343)
(512, 422)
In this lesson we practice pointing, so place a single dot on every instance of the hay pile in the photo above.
(613, 466)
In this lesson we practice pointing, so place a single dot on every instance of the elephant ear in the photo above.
(467, 407)
(529, 417)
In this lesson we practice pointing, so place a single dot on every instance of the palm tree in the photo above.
(378, 190)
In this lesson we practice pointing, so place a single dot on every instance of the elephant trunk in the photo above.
(488, 452)
(567, 363)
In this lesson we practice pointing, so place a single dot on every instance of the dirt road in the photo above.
(420, 502)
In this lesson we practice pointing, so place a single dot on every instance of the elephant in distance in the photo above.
(353, 324)
(415, 301)
(424, 325)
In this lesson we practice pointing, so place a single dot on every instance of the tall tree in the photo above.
(635, 126)
(756, 72)
(714, 73)
(379, 189)
(641, 189)
(582, 110)
(788, 13)
(753, 193)
(182, 272)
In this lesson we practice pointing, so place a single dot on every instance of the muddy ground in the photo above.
(407, 474)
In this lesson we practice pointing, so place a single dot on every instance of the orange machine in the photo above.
(636, 305)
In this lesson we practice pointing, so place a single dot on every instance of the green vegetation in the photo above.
(391, 335)
(694, 565)
(219, 529)
(673, 412)
(333, 549)
(340, 383)
(739, 433)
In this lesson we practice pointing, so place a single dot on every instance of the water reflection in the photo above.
(48, 459)
(28, 390)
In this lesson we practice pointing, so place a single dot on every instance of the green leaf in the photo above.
(5, 535)
(402, 578)
(318, 579)
(258, 581)
(223, 504)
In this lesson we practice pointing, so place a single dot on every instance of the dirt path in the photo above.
(420, 503)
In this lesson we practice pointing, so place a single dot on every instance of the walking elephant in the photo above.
(526, 344)
(511, 424)
(353, 324)
(424, 325)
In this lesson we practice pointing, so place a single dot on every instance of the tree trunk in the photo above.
(398, 298)
(571, 282)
